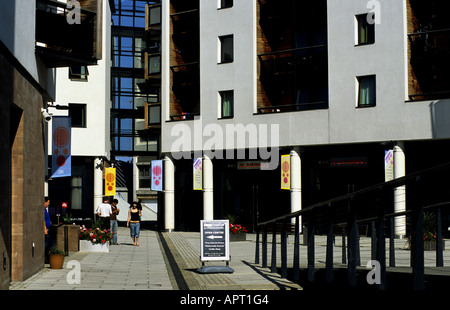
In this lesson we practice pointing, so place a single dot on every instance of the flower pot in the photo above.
(56, 261)
(88, 246)
(238, 237)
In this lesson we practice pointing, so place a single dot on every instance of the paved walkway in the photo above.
(150, 267)
(169, 261)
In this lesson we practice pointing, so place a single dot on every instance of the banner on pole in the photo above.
(285, 172)
(388, 165)
(198, 175)
(61, 150)
(110, 181)
(156, 175)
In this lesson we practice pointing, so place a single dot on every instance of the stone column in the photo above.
(208, 195)
(296, 184)
(399, 192)
(98, 183)
(169, 194)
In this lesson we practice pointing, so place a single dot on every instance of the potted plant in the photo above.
(56, 258)
(429, 233)
(237, 231)
(94, 239)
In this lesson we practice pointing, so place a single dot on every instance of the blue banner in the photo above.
(61, 150)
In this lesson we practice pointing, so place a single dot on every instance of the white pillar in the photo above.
(399, 192)
(135, 177)
(208, 198)
(98, 183)
(296, 184)
(169, 194)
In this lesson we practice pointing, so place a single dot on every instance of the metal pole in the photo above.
(296, 267)
(311, 231)
(381, 253)
(264, 247)
(439, 247)
(329, 256)
(284, 250)
(273, 266)
(391, 243)
(66, 240)
(257, 246)
(344, 252)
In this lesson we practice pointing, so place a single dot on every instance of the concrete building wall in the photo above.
(393, 118)
(94, 139)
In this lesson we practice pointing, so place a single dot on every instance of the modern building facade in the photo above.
(334, 85)
(135, 94)
(36, 37)
(83, 93)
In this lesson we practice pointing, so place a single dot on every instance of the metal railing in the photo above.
(427, 190)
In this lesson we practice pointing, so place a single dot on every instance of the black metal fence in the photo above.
(427, 194)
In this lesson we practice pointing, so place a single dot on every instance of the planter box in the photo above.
(72, 237)
(238, 237)
(430, 245)
(87, 246)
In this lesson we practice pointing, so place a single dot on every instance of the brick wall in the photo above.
(22, 232)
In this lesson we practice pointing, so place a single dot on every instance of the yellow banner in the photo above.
(110, 181)
(285, 172)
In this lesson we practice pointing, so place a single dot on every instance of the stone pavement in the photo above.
(169, 261)
(150, 267)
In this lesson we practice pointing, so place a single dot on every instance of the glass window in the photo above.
(226, 49)
(366, 91)
(155, 15)
(144, 176)
(78, 113)
(154, 64)
(224, 4)
(366, 30)
(78, 73)
(227, 102)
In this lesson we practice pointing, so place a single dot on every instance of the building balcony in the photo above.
(153, 68)
(153, 21)
(152, 115)
(63, 42)
(294, 80)
(430, 64)
(185, 91)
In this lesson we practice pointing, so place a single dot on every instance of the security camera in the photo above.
(47, 116)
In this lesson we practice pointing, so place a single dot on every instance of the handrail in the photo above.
(376, 215)
(390, 184)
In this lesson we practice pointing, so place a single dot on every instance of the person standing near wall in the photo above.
(113, 219)
(104, 213)
(47, 224)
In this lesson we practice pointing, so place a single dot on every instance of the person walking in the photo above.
(113, 220)
(133, 222)
(104, 213)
